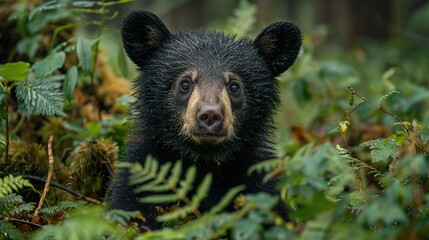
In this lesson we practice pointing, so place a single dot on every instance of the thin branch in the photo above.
(6, 122)
(64, 188)
(23, 222)
(377, 106)
(48, 179)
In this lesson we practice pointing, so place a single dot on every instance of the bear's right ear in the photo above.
(142, 33)
(279, 43)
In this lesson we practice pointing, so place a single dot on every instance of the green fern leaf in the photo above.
(381, 149)
(23, 208)
(178, 213)
(43, 97)
(161, 198)
(123, 217)
(226, 199)
(387, 95)
(175, 173)
(9, 231)
(8, 203)
(10, 184)
(202, 191)
(62, 206)
(187, 184)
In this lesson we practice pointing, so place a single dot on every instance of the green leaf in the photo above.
(49, 64)
(381, 211)
(84, 54)
(70, 84)
(381, 149)
(308, 209)
(246, 229)
(93, 129)
(335, 70)
(62, 206)
(385, 78)
(42, 97)
(9, 230)
(226, 199)
(49, 5)
(162, 198)
(14, 72)
(10, 184)
(424, 134)
(122, 62)
(202, 190)
(387, 95)
(263, 200)
(301, 92)
(29, 45)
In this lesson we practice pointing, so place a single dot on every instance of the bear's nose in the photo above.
(210, 117)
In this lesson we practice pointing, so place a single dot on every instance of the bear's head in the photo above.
(204, 94)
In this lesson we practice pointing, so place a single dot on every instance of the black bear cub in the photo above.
(205, 98)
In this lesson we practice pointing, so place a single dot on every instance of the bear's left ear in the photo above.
(142, 34)
(279, 43)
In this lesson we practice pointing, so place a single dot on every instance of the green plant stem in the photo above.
(70, 25)
(6, 121)
(377, 106)
(95, 57)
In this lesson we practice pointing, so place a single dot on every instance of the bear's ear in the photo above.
(279, 43)
(142, 33)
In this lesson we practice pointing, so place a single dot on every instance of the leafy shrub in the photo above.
(354, 160)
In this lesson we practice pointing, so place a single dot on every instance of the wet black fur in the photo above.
(161, 58)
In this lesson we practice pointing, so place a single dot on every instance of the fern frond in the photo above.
(387, 95)
(62, 206)
(202, 191)
(191, 206)
(358, 164)
(8, 203)
(9, 231)
(21, 209)
(42, 97)
(267, 165)
(169, 186)
(10, 184)
(226, 199)
(123, 217)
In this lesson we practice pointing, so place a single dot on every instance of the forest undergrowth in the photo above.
(352, 137)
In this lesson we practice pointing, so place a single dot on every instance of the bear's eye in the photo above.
(185, 85)
(234, 87)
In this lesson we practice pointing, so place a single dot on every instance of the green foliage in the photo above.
(8, 203)
(243, 20)
(84, 54)
(14, 72)
(10, 206)
(41, 97)
(85, 223)
(354, 163)
(166, 184)
(48, 65)
(9, 231)
(381, 149)
(69, 86)
(10, 184)
(61, 206)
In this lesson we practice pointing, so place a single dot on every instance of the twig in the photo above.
(377, 106)
(64, 188)
(48, 179)
(23, 221)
